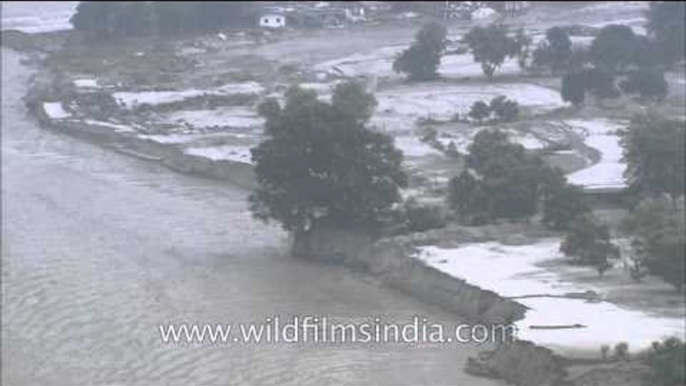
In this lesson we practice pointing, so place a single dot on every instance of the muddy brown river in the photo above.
(98, 249)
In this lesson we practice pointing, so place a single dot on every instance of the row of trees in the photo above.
(489, 45)
(615, 52)
(100, 20)
(614, 47)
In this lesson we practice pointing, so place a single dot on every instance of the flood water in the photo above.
(98, 249)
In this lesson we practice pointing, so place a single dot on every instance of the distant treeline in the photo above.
(119, 19)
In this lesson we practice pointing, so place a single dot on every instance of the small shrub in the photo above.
(99, 105)
(505, 110)
(604, 351)
(430, 136)
(622, 351)
(269, 108)
(416, 217)
(288, 69)
(451, 151)
(479, 111)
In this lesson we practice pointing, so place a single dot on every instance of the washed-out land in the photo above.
(198, 96)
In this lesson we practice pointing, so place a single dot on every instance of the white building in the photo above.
(272, 20)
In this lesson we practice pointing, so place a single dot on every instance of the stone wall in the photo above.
(391, 260)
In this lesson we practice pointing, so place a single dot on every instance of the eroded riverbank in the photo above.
(99, 248)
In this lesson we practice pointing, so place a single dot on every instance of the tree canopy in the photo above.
(421, 60)
(659, 226)
(490, 46)
(555, 52)
(588, 242)
(596, 81)
(319, 164)
(614, 47)
(503, 181)
(354, 101)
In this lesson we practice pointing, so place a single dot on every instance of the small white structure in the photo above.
(272, 20)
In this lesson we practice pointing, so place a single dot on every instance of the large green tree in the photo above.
(614, 47)
(555, 52)
(490, 46)
(503, 181)
(588, 242)
(421, 60)
(320, 165)
(489, 145)
(352, 98)
(511, 184)
(508, 183)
